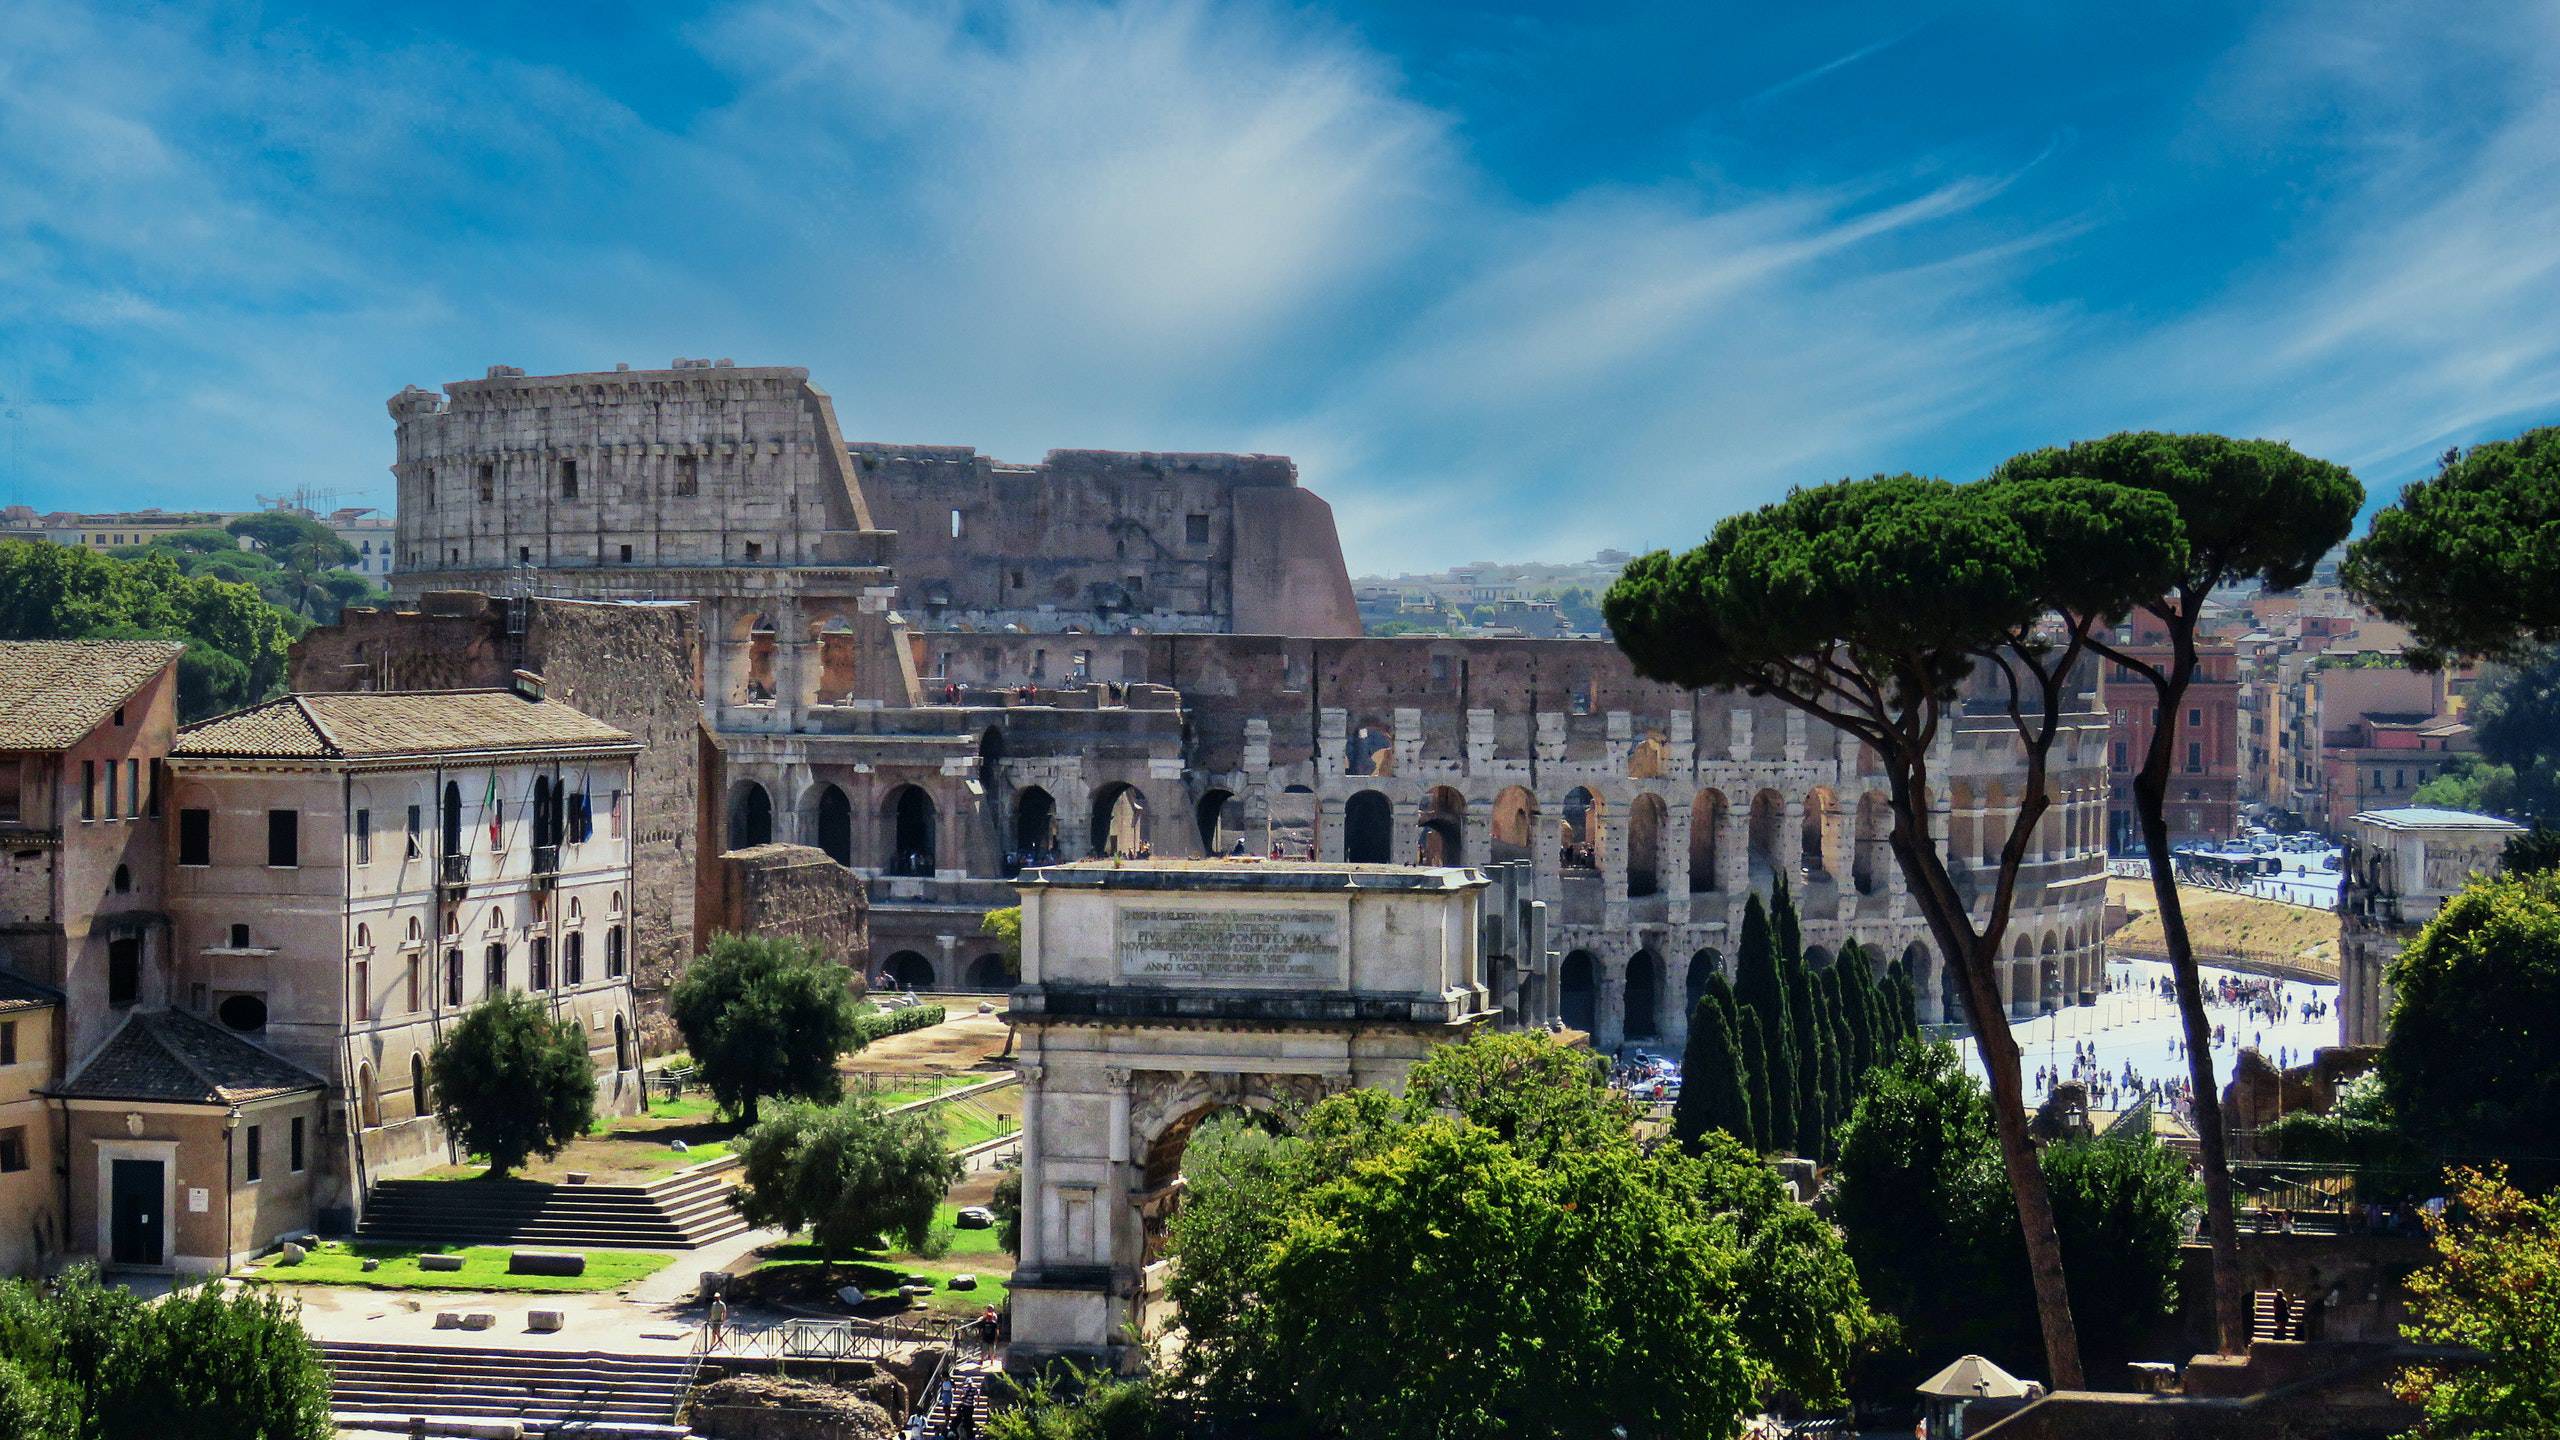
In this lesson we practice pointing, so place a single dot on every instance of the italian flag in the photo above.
(497, 817)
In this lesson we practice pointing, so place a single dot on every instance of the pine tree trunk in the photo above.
(2026, 1177)
(2221, 1217)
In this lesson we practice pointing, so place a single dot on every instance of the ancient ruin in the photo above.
(939, 669)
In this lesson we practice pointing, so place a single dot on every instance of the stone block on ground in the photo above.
(546, 1262)
(544, 1322)
(439, 1262)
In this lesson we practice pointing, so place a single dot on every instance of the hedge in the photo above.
(881, 1023)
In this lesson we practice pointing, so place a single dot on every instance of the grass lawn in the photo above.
(627, 1149)
(484, 1267)
(894, 1091)
(972, 1252)
(981, 1118)
(2220, 921)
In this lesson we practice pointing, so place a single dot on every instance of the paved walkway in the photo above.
(2132, 1025)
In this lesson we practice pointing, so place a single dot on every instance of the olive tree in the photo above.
(2227, 493)
(512, 1081)
(1890, 609)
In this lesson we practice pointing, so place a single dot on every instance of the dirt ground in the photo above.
(966, 1041)
(2220, 921)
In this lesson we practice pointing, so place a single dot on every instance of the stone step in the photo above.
(548, 1391)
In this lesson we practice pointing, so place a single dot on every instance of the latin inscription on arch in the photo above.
(1282, 947)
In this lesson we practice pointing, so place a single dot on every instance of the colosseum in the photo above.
(941, 668)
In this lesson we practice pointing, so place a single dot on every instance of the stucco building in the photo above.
(936, 668)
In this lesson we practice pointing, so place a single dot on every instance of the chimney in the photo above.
(528, 685)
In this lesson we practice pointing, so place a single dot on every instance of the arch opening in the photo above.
(1578, 991)
(911, 821)
(750, 816)
(1120, 822)
(1368, 829)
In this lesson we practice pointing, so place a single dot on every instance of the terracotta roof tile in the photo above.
(52, 692)
(382, 724)
(177, 1058)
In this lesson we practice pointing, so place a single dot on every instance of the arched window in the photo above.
(368, 1105)
(417, 932)
(364, 939)
(1581, 835)
(621, 1044)
(124, 879)
(1645, 821)
(418, 1101)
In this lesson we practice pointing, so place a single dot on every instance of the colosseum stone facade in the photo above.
(938, 668)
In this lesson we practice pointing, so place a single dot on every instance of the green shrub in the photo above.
(880, 1024)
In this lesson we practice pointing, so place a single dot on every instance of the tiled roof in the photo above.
(17, 992)
(52, 692)
(357, 725)
(177, 1058)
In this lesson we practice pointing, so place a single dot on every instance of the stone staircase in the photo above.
(602, 1397)
(687, 1209)
(2274, 1315)
(965, 1393)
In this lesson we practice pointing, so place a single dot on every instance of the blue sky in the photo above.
(1509, 281)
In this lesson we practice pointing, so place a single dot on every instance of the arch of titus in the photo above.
(1157, 993)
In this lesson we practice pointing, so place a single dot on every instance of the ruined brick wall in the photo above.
(794, 890)
(1107, 540)
(632, 666)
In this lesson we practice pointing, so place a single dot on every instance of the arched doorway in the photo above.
(1578, 991)
(1644, 846)
(1820, 830)
(1579, 839)
(1513, 812)
(989, 972)
(1874, 846)
(835, 824)
(1368, 829)
(1768, 821)
(1704, 964)
(908, 970)
(750, 816)
(909, 818)
(1218, 833)
(1444, 827)
(1921, 964)
(1644, 997)
(1035, 829)
(1706, 842)
(1120, 824)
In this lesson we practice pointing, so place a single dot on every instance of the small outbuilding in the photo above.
(1946, 1395)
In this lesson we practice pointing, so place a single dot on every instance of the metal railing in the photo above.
(453, 869)
(546, 859)
(848, 1339)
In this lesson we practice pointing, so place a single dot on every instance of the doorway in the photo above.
(139, 1222)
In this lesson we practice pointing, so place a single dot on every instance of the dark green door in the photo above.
(134, 1192)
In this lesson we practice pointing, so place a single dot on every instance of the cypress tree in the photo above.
(1804, 1027)
(1760, 993)
(1755, 1080)
(1784, 923)
(1855, 1009)
(1713, 1093)
(1720, 990)
(1844, 1060)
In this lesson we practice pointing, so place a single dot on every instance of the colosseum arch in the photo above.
(1645, 821)
(750, 815)
(1035, 828)
(1444, 827)
(1583, 829)
(754, 638)
(1706, 842)
(1120, 821)
(1644, 996)
(909, 823)
(830, 821)
(1768, 839)
(1578, 991)
(1514, 811)
(1820, 835)
(1216, 818)
(1703, 966)
(1368, 829)
(1873, 858)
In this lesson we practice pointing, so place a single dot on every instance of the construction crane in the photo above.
(306, 498)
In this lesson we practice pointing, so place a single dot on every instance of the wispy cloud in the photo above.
(1803, 78)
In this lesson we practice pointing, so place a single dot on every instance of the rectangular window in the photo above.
(293, 1154)
(626, 554)
(497, 968)
(363, 988)
(364, 837)
(488, 483)
(413, 982)
(453, 978)
(13, 1149)
(284, 839)
(88, 789)
(253, 1160)
(132, 789)
(2119, 754)
(414, 841)
(568, 479)
(755, 549)
(688, 475)
(8, 1042)
(1195, 529)
(2195, 717)
(195, 837)
(2195, 757)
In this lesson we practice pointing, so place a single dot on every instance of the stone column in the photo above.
(1675, 1000)
(1035, 1199)
(1733, 848)
(1674, 866)
(1789, 861)
(1329, 829)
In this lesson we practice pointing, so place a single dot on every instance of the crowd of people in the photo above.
(2243, 1007)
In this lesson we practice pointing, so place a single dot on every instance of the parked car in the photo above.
(974, 1217)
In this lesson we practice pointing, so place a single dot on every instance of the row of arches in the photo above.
(914, 970)
(909, 825)
(1643, 1011)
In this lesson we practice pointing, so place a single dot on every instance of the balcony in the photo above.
(453, 871)
(546, 864)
